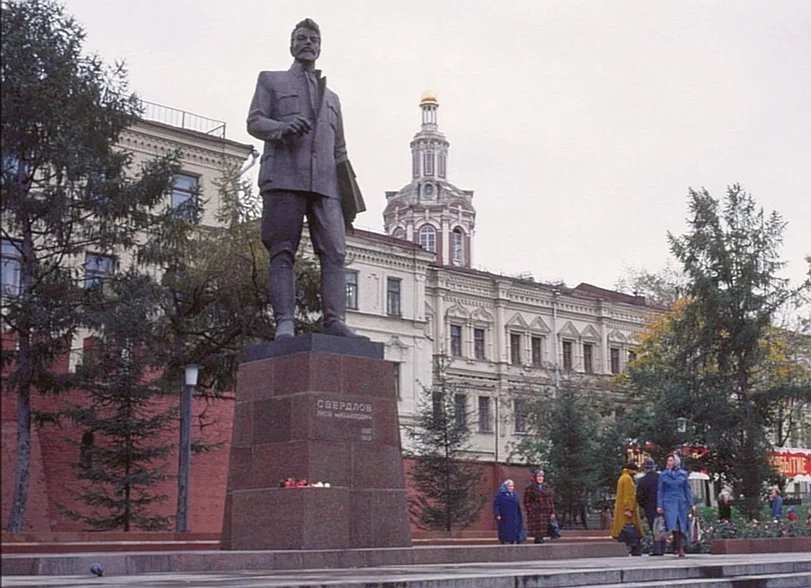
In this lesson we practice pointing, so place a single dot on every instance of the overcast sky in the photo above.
(579, 125)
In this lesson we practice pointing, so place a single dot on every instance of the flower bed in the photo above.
(744, 536)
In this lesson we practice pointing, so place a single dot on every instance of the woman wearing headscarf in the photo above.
(674, 499)
(507, 512)
(539, 502)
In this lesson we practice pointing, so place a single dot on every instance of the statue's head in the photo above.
(305, 41)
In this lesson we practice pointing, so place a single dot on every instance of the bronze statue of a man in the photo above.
(299, 120)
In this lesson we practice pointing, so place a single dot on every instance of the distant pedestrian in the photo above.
(791, 515)
(674, 499)
(647, 489)
(507, 512)
(776, 504)
(607, 518)
(539, 502)
(627, 524)
(724, 507)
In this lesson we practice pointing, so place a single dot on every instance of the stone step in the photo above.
(757, 571)
(798, 580)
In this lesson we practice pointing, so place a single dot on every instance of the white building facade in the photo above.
(499, 337)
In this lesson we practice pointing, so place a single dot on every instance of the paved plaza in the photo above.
(704, 571)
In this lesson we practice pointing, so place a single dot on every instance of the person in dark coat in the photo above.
(674, 500)
(647, 488)
(507, 512)
(539, 502)
(724, 507)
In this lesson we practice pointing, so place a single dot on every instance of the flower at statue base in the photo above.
(303, 483)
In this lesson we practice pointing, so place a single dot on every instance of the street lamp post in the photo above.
(184, 451)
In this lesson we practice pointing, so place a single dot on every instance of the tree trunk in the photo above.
(25, 374)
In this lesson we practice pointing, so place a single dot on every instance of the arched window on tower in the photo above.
(458, 245)
(442, 164)
(429, 162)
(428, 238)
(415, 163)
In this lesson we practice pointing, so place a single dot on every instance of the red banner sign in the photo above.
(792, 463)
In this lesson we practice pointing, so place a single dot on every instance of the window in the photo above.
(397, 388)
(615, 360)
(96, 268)
(456, 340)
(588, 358)
(521, 409)
(460, 411)
(429, 162)
(12, 262)
(352, 289)
(458, 244)
(535, 345)
(567, 355)
(631, 356)
(515, 348)
(428, 238)
(399, 233)
(443, 158)
(184, 197)
(478, 343)
(393, 296)
(485, 415)
(415, 163)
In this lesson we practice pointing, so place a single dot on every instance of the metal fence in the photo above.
(182, 119)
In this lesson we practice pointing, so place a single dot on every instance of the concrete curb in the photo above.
(223, 561)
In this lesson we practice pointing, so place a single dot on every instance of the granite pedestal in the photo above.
(324, 409)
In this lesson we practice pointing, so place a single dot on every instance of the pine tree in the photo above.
(706, 359)
(446, 482)
(122, 408)
(562, 427)
(65, 190)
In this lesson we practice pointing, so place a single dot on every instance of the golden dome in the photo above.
(429, 97)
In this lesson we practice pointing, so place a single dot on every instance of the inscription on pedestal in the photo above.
(349, 413)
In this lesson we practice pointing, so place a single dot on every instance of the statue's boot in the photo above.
(333, 300)
(283, 301)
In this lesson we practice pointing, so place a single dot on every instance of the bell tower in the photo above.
(430, 210)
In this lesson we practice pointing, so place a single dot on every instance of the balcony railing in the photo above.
(182, 119)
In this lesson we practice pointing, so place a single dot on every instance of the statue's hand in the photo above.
(298, 126)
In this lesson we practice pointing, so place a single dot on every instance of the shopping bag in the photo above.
(695, 530)
(629, 535)
(553, 530)
(522, 534)
(659, 529)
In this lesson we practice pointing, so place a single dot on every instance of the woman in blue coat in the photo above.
(674, 498)
(507, 511)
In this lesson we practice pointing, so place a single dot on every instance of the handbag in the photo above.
(695, 530)
(629, 535)
(659, 529)
(522, 534)
(553, 530)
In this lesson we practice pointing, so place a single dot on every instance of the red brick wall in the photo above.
(55, 451)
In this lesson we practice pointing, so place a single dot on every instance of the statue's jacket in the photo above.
(306, 163)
